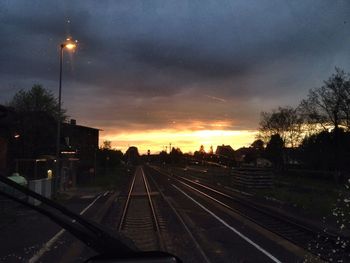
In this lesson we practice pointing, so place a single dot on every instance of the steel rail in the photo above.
(155, 220)
(126, 204)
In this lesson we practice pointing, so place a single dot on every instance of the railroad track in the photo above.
(139, 220)
(320, 243)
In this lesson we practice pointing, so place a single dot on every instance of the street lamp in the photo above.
(69, 45)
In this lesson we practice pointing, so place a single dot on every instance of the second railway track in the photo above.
(139, 220)
(319, 243)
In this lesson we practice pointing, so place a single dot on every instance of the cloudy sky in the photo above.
(187, 72)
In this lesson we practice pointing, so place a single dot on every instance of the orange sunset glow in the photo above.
(175, 131)
(186, 140)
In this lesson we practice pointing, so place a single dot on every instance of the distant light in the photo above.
(68, 152)
(49, 173)
(16, 136)
(40, 160)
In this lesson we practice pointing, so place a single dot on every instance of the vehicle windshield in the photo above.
(213, 131)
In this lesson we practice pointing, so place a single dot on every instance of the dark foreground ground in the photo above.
(190, 231)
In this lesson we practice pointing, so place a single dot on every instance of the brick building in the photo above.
(8, 135)
(28, 145)
(80, 143)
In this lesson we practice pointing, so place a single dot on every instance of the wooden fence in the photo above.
(252, 178)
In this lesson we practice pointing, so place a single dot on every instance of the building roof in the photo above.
(79, 126)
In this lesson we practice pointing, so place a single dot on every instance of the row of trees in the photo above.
(325, 108)
(318, 129)
(107, 157)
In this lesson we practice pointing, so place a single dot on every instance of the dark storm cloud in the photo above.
(170, 57)
(137, 57)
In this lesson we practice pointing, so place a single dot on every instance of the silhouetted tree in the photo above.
(284, 121)
(108, 158)
(329, 105)
(132, 155)
(255, 151)
(274, 150)
(258, 145)
(211, 150)
(107, 145)
(37, 99)
(201, 149)
(176, 155)
(317, 150)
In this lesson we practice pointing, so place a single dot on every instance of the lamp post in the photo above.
(70, 45)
